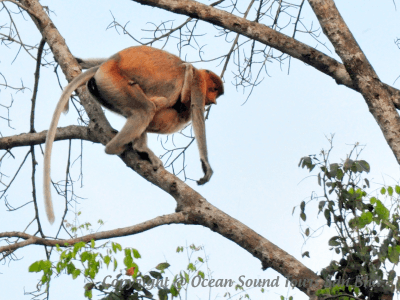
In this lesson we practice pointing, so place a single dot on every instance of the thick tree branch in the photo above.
(267, 36)
(363, 75)
(29, 139)
(195, 208)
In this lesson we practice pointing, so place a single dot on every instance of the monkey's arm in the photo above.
(198, 123)
(187, 84)
(90, 62)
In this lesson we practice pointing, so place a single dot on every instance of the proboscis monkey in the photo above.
(154, 90)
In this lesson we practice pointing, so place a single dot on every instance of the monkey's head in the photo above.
(215, 87)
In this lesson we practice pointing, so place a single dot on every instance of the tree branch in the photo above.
(175, 218)
(65, 133)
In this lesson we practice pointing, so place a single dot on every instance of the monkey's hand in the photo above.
(207, 172)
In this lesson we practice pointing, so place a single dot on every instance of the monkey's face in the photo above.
(211, 96)
(215, 88)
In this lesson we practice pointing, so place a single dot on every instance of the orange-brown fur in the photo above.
(155, 91)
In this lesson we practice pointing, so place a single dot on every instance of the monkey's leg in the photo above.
(140, 145)
(160, 102)
(132, 103)
(131, 131)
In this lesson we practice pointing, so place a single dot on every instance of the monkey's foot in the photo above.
(147, 154)
(155, 161)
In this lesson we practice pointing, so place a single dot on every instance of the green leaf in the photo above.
(35, 267)
(78, 246)
(76, 273)
(115, 247)
(339, 174)
(372, 200)
(362, 166)
(347, 164)
(383, 191)
(302, 206)
(107, 260)
(391, 276)
(174, 291)
(128, 260)
(115, 264)
(156, 275)
(86, 256)
(303, 216)
(136, 253)
(381, 211)
(187, 278)
(367, 182)
(191, 267)
(365, 219)
(44, 279)
(88, 294)
(390, 191)
(201, 274)
(333, 241)
(162, 266)
(393, 255)
(327, 215)
(92, 243)
(321, 205)
(45, 265)
(128, 252)
(397, 189)
(333, 169)
(200, 259)
(163, 294)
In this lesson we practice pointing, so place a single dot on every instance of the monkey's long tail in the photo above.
(72, 86)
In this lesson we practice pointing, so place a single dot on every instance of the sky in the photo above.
(254, 147)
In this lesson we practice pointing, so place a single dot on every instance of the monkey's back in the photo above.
(157, 72)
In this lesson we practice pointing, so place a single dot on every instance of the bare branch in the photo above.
(175, 218)
(65, 133)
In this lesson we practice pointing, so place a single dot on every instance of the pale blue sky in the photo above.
(254, 149)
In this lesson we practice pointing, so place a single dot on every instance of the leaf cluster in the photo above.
(368, 236)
